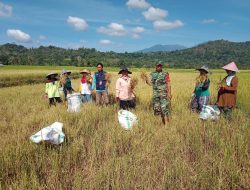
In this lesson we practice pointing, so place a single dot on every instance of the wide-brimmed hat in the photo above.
(50, 74)
(231, 67)
(204, 68)
(85, 71)
(65, 71)
(124, 69)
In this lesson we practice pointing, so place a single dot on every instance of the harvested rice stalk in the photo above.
(89, 78)
(133, 83)
(62, 80)
(145, 77)
(108, 77)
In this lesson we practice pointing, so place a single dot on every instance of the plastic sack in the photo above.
(209, 112)
(127, 119)
(74, 102)
(52, 134)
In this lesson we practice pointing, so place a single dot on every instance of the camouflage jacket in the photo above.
(159, 82)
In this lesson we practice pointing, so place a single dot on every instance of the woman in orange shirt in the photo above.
(226, 100)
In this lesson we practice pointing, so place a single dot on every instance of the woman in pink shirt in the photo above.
(124, 93)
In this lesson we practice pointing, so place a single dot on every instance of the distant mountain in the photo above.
(160, 47)
(213, 53)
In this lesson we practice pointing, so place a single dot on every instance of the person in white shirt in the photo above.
(85, 86)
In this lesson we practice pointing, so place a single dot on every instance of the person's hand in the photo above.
(46, 96)
(222, 87)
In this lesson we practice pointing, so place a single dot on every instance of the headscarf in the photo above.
(229, 77)
(84, 79)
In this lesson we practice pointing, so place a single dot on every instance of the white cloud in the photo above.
(208, 21)
(105, 42)
(78, 23)
(164, 25)
(113, 29)
(140, 4)
(42, 37)
(18, 35)
(83, 41)
(135, 36)
(5, 10)
(138, 29)
(153, 14)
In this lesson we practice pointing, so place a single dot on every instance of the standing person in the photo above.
(201, 94)
(85, 86)
(99, 84)
(52, 89)
(66, 83)
(228, 90)
(124, 93)
(160, 81)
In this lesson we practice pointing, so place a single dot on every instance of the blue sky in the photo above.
(122, 25)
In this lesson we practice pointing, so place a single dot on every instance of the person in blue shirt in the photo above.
(100, 85)
(201, 94)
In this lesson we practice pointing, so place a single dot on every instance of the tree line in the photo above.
(214, 54)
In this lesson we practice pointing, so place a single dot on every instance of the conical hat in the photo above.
(85, 71)
(52, 73)
(204, 68)
(231, 67)
(65, 71)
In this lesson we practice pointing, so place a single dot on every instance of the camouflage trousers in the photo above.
(161, 105)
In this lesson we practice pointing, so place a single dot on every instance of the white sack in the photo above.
(127, 119)
(52, 134)
(209, 112)
(74, 102)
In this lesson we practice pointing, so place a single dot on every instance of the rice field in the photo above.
(97, 153)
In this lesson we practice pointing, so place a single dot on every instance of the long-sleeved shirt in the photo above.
(52, 89)
(202, 89)
(122, 88)
(227, 94)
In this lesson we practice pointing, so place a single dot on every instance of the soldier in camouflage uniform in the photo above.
(161, 92)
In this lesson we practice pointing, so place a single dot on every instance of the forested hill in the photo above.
(160, 47)
(214, 54)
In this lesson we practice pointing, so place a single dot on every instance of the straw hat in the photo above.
(204, 68)
(65, 71)
(231, 67)
(124, 69)
(85, 71)
(50, 74)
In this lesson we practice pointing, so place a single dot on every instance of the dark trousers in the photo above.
(127, 104)
(52, 101)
